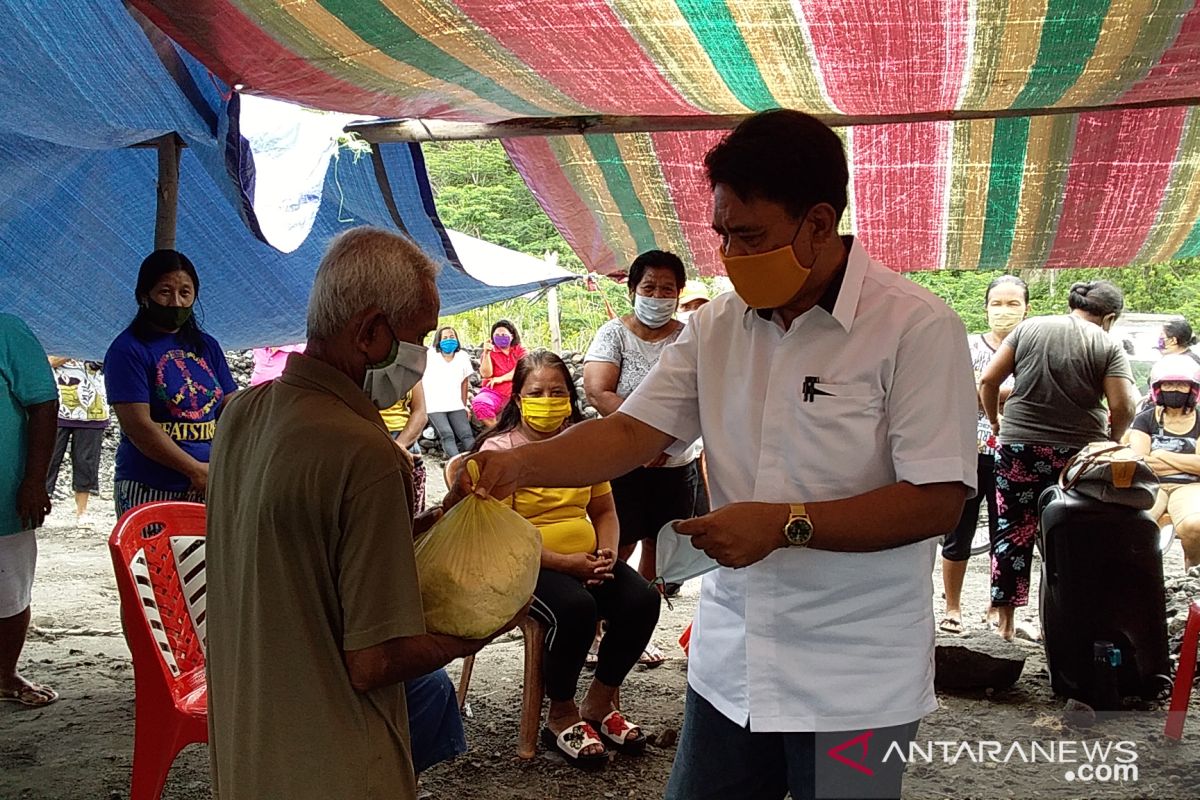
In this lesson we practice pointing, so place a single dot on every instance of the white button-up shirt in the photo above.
(879, 391)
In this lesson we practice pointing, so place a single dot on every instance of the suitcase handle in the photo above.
(1048, 565)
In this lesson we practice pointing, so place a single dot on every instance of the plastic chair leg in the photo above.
(1182, 691)
(154, 751)
(533, 690)
(464, 681)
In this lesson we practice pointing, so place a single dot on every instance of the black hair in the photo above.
(783, 156)
(1098, 298)
(1001, 280)
(437, 337)
(503, 323)
(1180, 330)
(154, 266)
(510, 415)
(656, 258)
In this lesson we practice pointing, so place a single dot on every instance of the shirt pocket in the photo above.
(862, 393)
(845, 423)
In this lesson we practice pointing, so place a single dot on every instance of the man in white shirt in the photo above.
(837, 404)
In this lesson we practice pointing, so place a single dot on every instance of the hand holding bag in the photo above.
(1110, 473)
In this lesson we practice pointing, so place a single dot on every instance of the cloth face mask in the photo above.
(389, 381)
(545, 414)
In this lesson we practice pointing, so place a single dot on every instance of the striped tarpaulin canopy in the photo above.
(1106, 178)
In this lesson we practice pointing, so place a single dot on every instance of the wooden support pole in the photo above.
(167, 207)
(434, 130)
(555, 326)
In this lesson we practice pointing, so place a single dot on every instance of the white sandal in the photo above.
(573, 741)
(618, 730)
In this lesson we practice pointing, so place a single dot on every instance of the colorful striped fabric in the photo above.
(1093, 189)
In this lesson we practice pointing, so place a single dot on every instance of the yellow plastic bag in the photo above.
(478, 566)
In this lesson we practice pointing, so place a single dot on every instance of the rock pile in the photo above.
(241, 364)
(1180, 592)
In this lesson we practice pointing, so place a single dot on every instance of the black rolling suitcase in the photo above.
(1103, 615)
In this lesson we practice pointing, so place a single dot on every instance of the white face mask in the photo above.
(388, 382)
(654, 312)
(676, 559)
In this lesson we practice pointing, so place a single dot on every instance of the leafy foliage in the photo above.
(1169, 288)
(479, 193)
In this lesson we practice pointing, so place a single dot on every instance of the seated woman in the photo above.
(1166, 435)
(448, 370)
(496, 367)
(581, 581)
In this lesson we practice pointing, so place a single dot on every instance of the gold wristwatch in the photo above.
(799, 527)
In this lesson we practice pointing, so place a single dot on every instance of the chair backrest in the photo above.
(450, 470)
(158, 556)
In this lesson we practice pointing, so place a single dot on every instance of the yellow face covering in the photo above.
(545, 414)
(1003, 320)
(766, 280)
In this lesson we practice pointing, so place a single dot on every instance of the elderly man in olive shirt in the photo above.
(314, 610)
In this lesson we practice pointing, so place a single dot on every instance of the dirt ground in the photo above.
(81, 747)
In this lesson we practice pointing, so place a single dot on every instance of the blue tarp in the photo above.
(79, 84)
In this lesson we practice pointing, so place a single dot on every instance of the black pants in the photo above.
(571, 610)
(85, 458)
(648, 498)
(454, 429)
(956, 545)
(719, 759)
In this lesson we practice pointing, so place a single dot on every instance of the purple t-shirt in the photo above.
(184, 390)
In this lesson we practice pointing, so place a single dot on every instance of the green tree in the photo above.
(478, 192)
(1168, 288)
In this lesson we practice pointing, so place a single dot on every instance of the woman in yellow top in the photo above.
(404, 422)
(580, 581)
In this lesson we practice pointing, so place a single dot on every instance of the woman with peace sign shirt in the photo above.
(167, 380)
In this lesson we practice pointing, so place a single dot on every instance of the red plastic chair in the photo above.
(158, 555)
(1184, 675)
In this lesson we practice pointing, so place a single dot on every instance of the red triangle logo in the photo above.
(859, 741)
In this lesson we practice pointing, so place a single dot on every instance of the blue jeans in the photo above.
(720, 759)
(434, 725)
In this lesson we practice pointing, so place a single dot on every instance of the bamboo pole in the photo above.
(435, 130)
(167, 194)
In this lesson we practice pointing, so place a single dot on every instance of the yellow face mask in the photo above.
(545, 414)
(766, 280)
(1003, 320)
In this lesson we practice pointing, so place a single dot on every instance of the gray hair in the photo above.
(368, 267)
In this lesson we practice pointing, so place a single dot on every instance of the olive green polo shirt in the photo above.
(309, 554)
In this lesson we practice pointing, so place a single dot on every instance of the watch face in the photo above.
(799, 531)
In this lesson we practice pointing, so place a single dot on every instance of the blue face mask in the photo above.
(448, 346)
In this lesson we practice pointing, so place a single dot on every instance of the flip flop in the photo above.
(31, 694)
(616, 731)
(652, 656)
(571, 743)
(951, 626)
